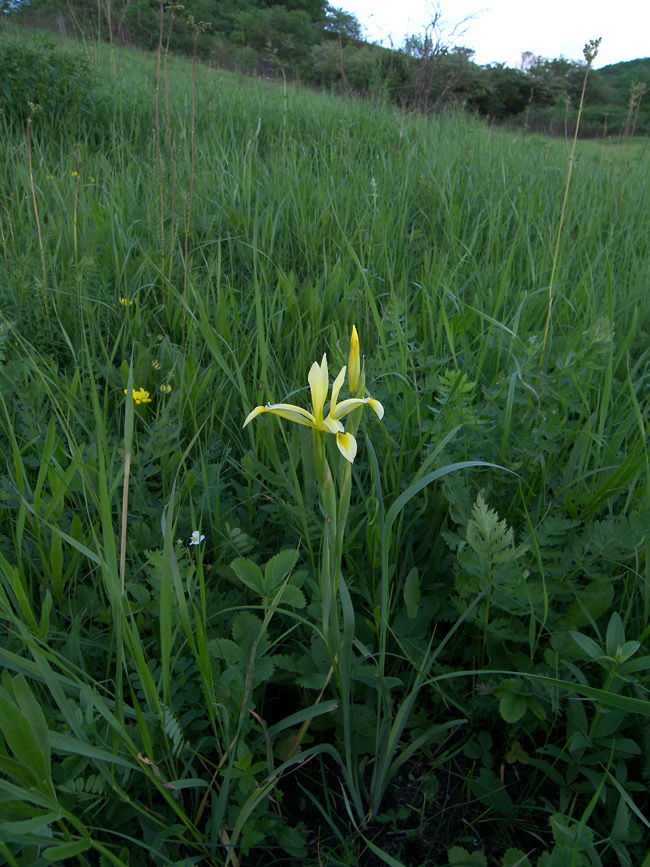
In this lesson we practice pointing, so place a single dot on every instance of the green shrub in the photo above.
(37, 72)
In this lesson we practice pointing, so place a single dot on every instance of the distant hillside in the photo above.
(621, 75)
(622, 92)
(320, 45)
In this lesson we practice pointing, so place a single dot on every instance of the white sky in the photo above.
(502, 29)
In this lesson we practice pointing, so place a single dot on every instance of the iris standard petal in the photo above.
(319, 384)
(347, 445)
(351, 403)
(336, 387)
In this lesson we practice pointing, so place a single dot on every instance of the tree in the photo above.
(341, 24)
(432, 76)
(278, 32)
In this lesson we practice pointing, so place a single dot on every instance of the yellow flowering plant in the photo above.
(338, 618)
(326, 419)
(139, 395)
(331, 423)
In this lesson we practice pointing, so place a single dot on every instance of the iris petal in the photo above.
(347, 445)
(284, 410)
(351, 403)
(376, 406)
(251, 415)
(292, 413)
(319, 384)
(336, 387)
(333, 425)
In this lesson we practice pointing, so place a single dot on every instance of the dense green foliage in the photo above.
(321, 45)
(171, 703)
(61, 83)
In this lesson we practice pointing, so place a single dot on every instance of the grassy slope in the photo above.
(309, 214)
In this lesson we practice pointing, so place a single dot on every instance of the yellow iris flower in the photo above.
(331, 423)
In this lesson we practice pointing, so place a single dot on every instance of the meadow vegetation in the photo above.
(232, 645)
(323, 46)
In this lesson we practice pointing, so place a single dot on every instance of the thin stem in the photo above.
(171, 144)
(125, 512)
(38, 222)
(590, 52)
(76, 202)
(158, 152)
(189, 204)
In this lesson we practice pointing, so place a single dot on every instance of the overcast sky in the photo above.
(501, 29)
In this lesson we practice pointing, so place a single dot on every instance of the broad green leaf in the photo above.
(588, 645)
(615, 634)
(67, 744)
(278, 568)
(29, 826)
(412, 594)
(628, 649)
(460, 857)
(633, 665)
(592, 602)
(66, 850)
(22, 741)
(630, 803)
(489, 789)
(31, 709)
(293, 841)
(46, 608)
(621, 827)
(515, 858)
(292, 596)
(246, 629)
(383, 856)
(302, 715)
(513, 703)
(250, 574)
(17, 772)
(224, 648)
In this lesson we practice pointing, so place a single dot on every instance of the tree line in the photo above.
(321, 45)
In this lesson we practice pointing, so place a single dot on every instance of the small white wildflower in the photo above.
(197, 538)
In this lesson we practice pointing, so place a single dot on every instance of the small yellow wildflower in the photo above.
(165, 388)
(140, 395)
(125, 302)
(156, 364)
(75, 174)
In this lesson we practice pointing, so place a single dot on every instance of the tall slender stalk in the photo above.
(590, 51)
(34, 110)
(198, 28)
(76, 203)
(170, 140)
(158, 152)
(3, 237)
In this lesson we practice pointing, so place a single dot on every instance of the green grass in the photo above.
(166, 689)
